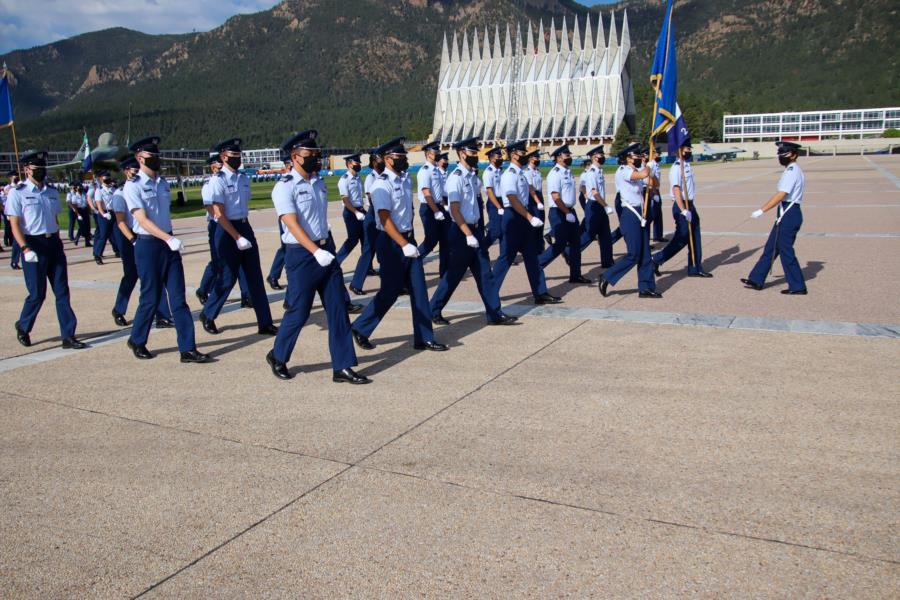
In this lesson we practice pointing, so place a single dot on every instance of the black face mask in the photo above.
(38, 173)
(354, 169)
(311, 164)
(472, 161)
(688, 156)
(401, 164)
(152, 163)
(234, 162)
(784, 160)
(498, 162)
(601, 160)
(567, 161)
(637, 163)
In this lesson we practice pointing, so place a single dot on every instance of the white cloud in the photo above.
(28, 24)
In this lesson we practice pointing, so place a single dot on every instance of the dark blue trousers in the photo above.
(51, 266)
(72, 220)
(214, 267)
(541, 214)
(232, 261)
(462, 259)
(367, 252)
(84, 226)
(565, 238)
(656, 217)
(355, 232)
(518, 235)
(494, 227)
(781, 241)
(435, 234)
(160, 270)
(398, 271)
(681, 239)
(306, 278)
(637, 242)
(104, 232)
(277, 260)
(595, 226)
(616, 235)
(130, 278)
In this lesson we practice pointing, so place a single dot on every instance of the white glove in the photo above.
(471, 241)
(410, 251)
(609, 210)
(756, 214)
(360, 216)
(570, 217)
(323, 257)
(243, 243)
(535, 222)
(652, 164)
(30, 256)
(540, 206)
(108, 216)
(687, 215)
(175, 245)
(438, 215)
(78, 217)
(500, 211)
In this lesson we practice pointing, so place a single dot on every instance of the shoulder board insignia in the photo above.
(790, 168)
(345, 176)
(287, 177)
(21, 185)
(556, 168)
(383, 176)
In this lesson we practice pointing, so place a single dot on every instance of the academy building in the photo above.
(852, 123)
(550, 88)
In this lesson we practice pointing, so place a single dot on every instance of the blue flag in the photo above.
(664, 76)
(678, 133)
(86, 162)
(6, 113)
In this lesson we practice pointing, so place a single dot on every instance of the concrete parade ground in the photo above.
(719, 442)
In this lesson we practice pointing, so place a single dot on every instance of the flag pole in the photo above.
(687, 206)
(650, 142)
(16, 150)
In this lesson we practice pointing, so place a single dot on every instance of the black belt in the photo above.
(42, 236)
(319, 243)
(244, 220)
(145, 236)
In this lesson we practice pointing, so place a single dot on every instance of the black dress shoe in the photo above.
(349, 376)
(362, 341)
(22, 336)
(603, 266)
(404, 292)
(117, 255)
(603, 286)
(209, 326)
(580, 279)
(353, 308)
(279, 369)
(273, 283)
(662, 239)
(656, 268)
(139, 351)
(700, 274)
(649, 294)
(15, 267)
(267, 330)
(193, 356)
(547, 299)
(372, 273)
(504, 320)
(119, 318)
(355, 291)
(433, 346)
(285, 305)
(802, 292)
(751, 284)
(98, 260)
(438, 319)
(73, 344)
(202, 297)
(246, 303)
(549, 239)
(163, 323)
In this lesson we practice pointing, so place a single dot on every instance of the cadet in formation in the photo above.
(536, 206)
(398, 255)
(278, 260)
(788, 199)
(82, 215)
(490, 180)
(157, 254)
(430, 187)
(370, 230)
(655, 206)
(630, 186)
(105, 220)
(301, 202)
(467, 245)
(354, 213)
(596, 212)
(33, 208)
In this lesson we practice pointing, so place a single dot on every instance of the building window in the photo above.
(733, 130)
(790, 128)
(790, 119)
(751, 120)
(873, 124)
(771, 128)
(751, 130)
(851, 126)
(852, 116)
(831, 126)
(810, 127)
(732, 120)
(873, 114)
(811, 118)
(892, 114)
(772, 119)
(831, 117)
(895, 124)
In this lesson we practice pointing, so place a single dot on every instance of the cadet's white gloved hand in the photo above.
(500, 211)
(756, 213)
(243, 243)
(30, 256)
(438, 215)
(652, 164)
(108, 216)
(78, 217)
(535, 222)
(687, 215)
(360, 216)
(570, 217)
(323, 257)
(471, 241)
(410, 251)
(175, 245)
(540, 206)
(609, 210)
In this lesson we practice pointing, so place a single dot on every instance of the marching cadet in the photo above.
(301, 202)
(563, 221)
(8, 238)
(491, 182)
(430, 185)
(33, 209)
(582, 192)
(278, 260)
(70, 193)
(354, 213)
(629, 183)
(655, 208)
(443, 162)
(125, 231)
(596, 211)
(687, 219)
(519, 227)
(467, 246)
(105, 224)
(235, 241)
(214, 267)
(82, 215)
(157, 255)
(401, 264)
(370, 229)
(536, 196)
(788, 199)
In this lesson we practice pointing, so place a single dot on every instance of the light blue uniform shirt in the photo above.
(36, 208)
(350, 186)
(117, 204)
(394, 193)
(561, 181)
(78, 199)
(514, 182)
(631, 190)
(792, 183)
(491, 179)
(429, 176)
(151, 195)
(675, 180)
(593, 180)
(105, 195)
(463, 186)
(232, 190)
(206, 197)
(307, 199)
(534, 178)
